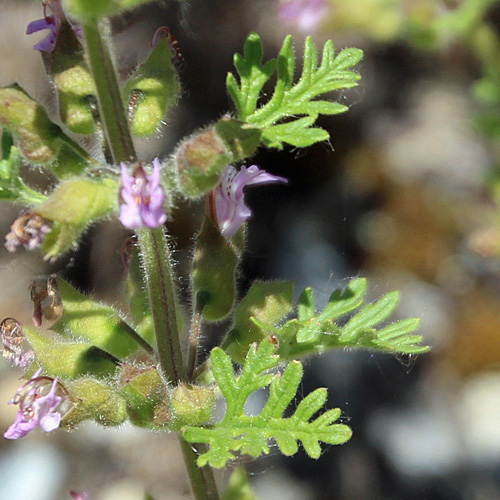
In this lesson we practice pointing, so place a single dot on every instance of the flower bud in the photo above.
(267, 302)
(94, 400)
(214, 272)
(192, 405)
(143, 389)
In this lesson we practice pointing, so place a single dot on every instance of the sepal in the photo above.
(68, 360)
(94, 400)
(73, 206)
(98, 323)
(192, 405)
(143, 390)
(12, 187)
(200, 159)
(152, 91)
(73, 82)
(214, 272)
(33, 131)
(272, 300)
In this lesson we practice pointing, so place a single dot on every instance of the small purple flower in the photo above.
(142, 197)
(52, 23)
(28, 230)
(79, 496)
(37, 400)
(229, 198)
(305, 15)
(15, 346)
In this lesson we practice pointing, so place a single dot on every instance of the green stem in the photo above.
(155, 253)
(108, 95)
(202, 479)
(137, 338)
(155, 256)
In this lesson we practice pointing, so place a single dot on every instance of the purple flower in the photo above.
(229, 199)
(79, 496)
(52, 23)
(28, 230)
(305, 15)
(37, 400)
(142, 197)
(15, 346)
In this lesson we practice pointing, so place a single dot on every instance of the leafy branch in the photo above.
(312, 333)
(288, 100)
(251, 434)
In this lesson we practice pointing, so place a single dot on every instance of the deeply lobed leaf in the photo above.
(251, 434)
(312, 333)
(289, 101)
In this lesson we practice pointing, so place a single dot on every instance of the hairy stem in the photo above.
(154, 248)
(155, 257)
(108, 95)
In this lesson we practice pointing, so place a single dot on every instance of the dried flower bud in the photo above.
(46, 300)
(16, 347)
(28, 230)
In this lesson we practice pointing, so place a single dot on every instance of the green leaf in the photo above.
(306, 305)
(290, 101)
(311, 333)
(252, 74)
(251, 434)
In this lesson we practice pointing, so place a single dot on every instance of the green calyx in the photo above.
(94, 400)
(73, 82)
(143, 390)
(12, 187)
(71, 207)
(214, 273)
(100, 324)
(273, 301)
(68, 360)
(33, 131)
(192, 405)
(152, 91)
(200, 159)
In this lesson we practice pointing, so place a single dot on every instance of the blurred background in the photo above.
(406, 194)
